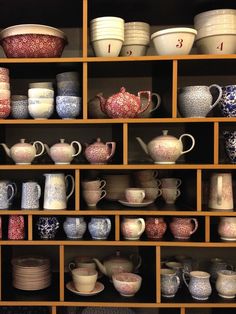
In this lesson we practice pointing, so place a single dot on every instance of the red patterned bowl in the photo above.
(32, 41)
(5, 108)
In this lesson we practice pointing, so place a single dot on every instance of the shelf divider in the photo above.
(30, 227)
(216, 143)
(85, 90)
(174, 88)
(125, 143)
(54, 310)
(117, 228)
(158, 274)
(77, 189)
(207, 229)
(199, 190)
(61, 272)
(85, 29)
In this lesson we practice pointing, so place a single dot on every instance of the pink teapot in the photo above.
(124, 104)
(99, 153)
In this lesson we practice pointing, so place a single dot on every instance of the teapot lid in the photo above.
(117, 257)
(98, 142)
(166, 136)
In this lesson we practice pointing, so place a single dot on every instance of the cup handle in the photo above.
(195, 225)
(178, 193)
(155, 174)
(15, 187)
(79, 148)
(158, 97)
(219, 96)
(39, 190)
(219, 190)
(12, 193)
(177, 280)
(71, 266)
(159, 192)
(142, 224)
(103, 183)
(42, 148)
(137, 261)
(193, 143)
(184, 275)
(73, 185)
(113, 148)
(178, 182)
(103, 194)
(143, 194)
(158, 182)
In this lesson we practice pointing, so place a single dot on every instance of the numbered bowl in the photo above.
(217, 44)
(107, 47)
(174, 41)
(133, 50)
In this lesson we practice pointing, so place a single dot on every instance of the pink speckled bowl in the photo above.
(127, 284)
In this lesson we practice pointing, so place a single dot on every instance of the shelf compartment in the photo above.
(25, 310)
(9, 293)
(147, 271)
(137, 310)
(152, 76)
(145, 131)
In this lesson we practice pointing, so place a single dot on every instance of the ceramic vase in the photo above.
(16, 227)
(230, 145)
(228, 101)
(47, 227)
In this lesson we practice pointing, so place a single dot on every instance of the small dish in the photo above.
(99, 287)
(143, 204)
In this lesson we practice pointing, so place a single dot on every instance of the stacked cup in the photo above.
(107, 35)
(68, 90)
(41, 102)
(147, 179)
(5, 94)
(93, 191)
(136, 40)
(169, 188)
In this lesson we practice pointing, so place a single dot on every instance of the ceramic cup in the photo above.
(134, 195)
(92, 197)
(170, 194)
(169, 282)
(178, 268)
(31, 192)
(170, 183)
(93, 184)
(82, 261)
(146, 175)
(84, 279)
(152, 193)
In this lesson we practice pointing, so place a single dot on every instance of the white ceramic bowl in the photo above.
(100, 37)
(136, 41)
(107, 47)
(4, 85)
(174, 41)
(127, 284)
(133, 50)
(221, 19)
(41, 111)
(217, 44)
(107, 27)
(111, 19)
(47, 85)
(215, 30)
(38, 92)
(211, 13)
(5, 93)
(137, 25)
(136, 32)
(40, 101)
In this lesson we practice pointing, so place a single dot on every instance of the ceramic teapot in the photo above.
(23, 153)
(124, 104)
(62, 153)
(99, 153)
(119, 264)
(165, 149)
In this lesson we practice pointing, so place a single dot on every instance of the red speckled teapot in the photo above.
(124, 104)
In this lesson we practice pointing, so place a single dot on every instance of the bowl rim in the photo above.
(26, 29)
(216, 33)
(174, 30)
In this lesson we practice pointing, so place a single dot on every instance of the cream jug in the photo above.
(55, 194)
(221, 192)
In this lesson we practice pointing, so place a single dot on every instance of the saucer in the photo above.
(99, 287)
(143, 204)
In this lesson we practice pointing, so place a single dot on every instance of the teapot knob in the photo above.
(122, 90)
(165, 132)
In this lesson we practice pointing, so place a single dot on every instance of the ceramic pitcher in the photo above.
(7, 192)
(221, 192)
(74, 227)
(31, 192)
(199, 285)
(99, 228)
(197, 101)
(227, 228)
(55, 191)
(132, 228)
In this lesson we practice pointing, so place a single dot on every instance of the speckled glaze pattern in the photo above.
(16, 227)
(196, 101)
(47, 227)
(199, 285)
(228, 101)
(74, 227)
(5, 108)
(7, 192)
(62, 152)
(227, 228)
(99, 228)
(132, 228)
(19, 109)
(30, 195)
(183, 228)
(100, 153)
(127, 284)
(230, 145)
(68, 107)
(155, 227)
(226, 284)
(169, 283)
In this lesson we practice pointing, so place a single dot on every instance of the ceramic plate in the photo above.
(143, 204)
(99, 287)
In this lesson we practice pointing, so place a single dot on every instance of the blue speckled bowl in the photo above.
(68, 107)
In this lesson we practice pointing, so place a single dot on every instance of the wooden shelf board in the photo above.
(42, 60)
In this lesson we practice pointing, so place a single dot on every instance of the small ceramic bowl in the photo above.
(41, 111)
(68, 107)
(107, 47)
(4, 71)
(4, 78)
(127, 284)
(213, 44)
(39, 101)
(5, 108)
(19, 107)
(40, 93)
(67, 76)
(133, 50)
(4, 85)
(5, 94)
(48, 85)
(68, 88)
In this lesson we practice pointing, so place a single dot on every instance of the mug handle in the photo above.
(219, 190)
(155, 174)
(158, 182)
(79, 148)
(39, 190)
(177, 280)
(113, 148)
(142, 222)
(184, 275)
(103, 194)
(195, 225)
(42, 148)
(12, 192)
(159, 192)
(103, 183)
(219, 96)
(178, 182)
(71, 266)
(193, 143)
(73, 185)
(178, 193)
(158, 97)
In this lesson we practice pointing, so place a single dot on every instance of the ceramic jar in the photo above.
(226, 284)
(47, 227)
(62, 153)
(132, 228)
(196, 101)
(183, 228)
(228, 101)
(99, 153)
(199, 285)
(74, 227)
(169, 283)
(99, 228)
(227, 228)
(230, 145)
(16, 227)
(155, 227)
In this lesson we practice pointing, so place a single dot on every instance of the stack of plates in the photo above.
(31, 273)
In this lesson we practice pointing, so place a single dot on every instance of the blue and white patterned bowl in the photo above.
(228, 101)
(68, 107)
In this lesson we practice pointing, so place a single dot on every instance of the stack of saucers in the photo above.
(5, 93)
(68, 102)
(107, 35)
(137, 39)
(31, 273)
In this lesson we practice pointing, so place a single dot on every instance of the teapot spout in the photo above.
(142, 144)
(100, 266)
(47, 148)
(7, 150)
(102, 101)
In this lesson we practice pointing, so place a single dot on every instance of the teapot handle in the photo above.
(79, 148)
(219, 96)
(158, 97)
(73, 185)
(113, 148)
(35, 146)
(193, 143)
(137, 261)
(148, 94)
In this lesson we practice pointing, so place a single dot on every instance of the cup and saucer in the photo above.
(135, 197)
(99, 287)
(144, 203)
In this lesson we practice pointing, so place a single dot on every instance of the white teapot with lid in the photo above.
(165, 149)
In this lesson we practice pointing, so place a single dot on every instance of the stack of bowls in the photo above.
(107, 35)
(68, 102)
(5, 94)
(136, 40)
(41, 102)
(216, 31)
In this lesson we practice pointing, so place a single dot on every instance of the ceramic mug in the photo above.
(84, 279)
(134, 195)
(31, 192)
(132, 228)
(152, 193)
(145, 175)
(169, 282)
(7, 192)
(170, 194)
(92, 197)
(170, 182)
(93, 184)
